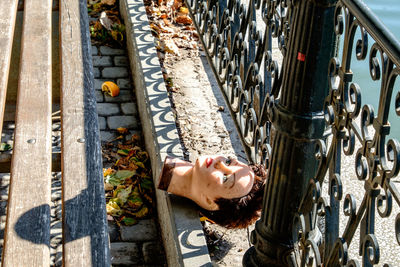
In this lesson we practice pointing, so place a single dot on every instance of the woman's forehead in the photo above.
(243, 179)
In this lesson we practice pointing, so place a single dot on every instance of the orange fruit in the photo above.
(110, 88)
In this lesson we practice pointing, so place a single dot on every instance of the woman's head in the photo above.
(228, 191)
(218, 177)
(242, 211)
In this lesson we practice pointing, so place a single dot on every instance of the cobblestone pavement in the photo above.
(140, 244)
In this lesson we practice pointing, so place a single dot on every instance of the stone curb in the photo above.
(182, 233)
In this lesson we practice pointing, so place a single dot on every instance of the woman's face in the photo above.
(220, 177)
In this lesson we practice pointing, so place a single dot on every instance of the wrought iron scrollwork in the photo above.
(358, 130)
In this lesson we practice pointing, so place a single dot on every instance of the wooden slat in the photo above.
(8, 12)
(85, 232)
(27, 235)
(5, 162)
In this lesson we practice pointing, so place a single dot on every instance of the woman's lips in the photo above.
(209, 162)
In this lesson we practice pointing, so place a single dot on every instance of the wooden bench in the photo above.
(27, 231)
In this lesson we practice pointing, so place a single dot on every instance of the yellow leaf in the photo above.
(140, 164)
(184, 10)
(113, 209)
(122, 130)
(204, 218)
(141, 213)
(110, 88)
(107, 172)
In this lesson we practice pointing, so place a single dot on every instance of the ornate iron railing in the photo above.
(313, 107)
(377, 159)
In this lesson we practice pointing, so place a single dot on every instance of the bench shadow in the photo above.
(28, 228)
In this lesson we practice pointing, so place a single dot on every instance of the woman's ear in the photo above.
(208, 203)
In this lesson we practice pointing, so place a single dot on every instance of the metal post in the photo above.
(298, 118)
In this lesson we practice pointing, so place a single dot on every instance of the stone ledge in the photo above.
(182, 233)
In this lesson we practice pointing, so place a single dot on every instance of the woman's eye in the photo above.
(228, 161)
(224, 178)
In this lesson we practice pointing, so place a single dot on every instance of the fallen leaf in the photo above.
(92, 2)
(124, 174)
(119, 177)
(123, 193)
(141, 213)
(108, 187)
(5, 147)
(183, 19)
(169, 46)
(107, 172)
(105, 21)
(108, 2)
(134, 200)
(113, 180)
(110, 88)
(123, 152)
(113, 209)
(146, 184)
(128, 221)
(122, 130)
(184, 10)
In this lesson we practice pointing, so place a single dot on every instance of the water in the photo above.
(388, 12)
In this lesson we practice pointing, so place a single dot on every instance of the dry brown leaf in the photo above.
(177, 4)
(183, 19)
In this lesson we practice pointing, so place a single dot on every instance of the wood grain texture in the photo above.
(85, 230)
(8, 12)
(27, 233)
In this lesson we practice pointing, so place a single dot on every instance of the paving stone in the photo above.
(126, 254)
(113, 231)
(94, 50)
(129, 108)
(99, 82)
(124, 96)
(153, 253)
(108, 51)
(96, 72)
(106, 136)
(124, 83)
(145, 230)
(115, 72)
(99, 96)
(107, 109)
(102, 61)
(129, 122)
(102, 123)
(121, 61)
